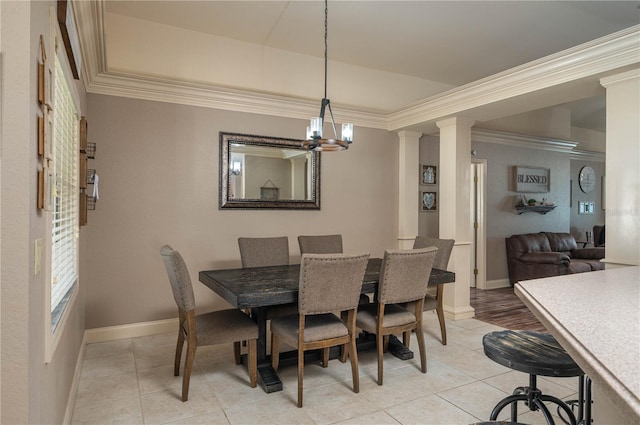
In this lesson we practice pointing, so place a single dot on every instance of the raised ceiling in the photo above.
(444, 43)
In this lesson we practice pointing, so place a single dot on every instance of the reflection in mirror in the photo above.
(266, 172)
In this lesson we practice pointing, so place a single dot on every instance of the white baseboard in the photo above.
(458, 314)
(111, 333)
(498, 283)
(71, 402)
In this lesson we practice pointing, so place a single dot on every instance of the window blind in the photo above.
(64, 236)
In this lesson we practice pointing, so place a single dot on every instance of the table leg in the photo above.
(267, 376)
(398, 349)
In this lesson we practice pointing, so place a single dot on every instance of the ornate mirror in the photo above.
(266, 172)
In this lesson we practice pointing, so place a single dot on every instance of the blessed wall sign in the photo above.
(531, 179)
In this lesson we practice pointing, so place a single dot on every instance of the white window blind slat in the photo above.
(64, 243)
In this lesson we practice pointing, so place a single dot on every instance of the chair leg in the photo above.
(300, 375)
(275, 351)
(252, 359)
(406, 338)
(236, 352)
(325, 357)
(353, 355)
(344, 351)
(188, 365)
(379, 345)
(443, 328)
(440, 311)
(179, 345)
(421, 346)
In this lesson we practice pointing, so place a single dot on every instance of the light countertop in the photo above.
(595, 316)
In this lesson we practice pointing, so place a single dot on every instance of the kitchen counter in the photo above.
(595, 316)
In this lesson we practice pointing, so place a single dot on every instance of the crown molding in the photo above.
(604, 54)
(584, 155)
(601, 55)
(522, 141)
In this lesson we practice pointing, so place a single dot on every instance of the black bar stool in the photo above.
(537, 354)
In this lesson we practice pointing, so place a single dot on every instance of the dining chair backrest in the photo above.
(179, 278)
(330, 282)
(404, 274)
(320, 244)
(444, 249)
(264, 252)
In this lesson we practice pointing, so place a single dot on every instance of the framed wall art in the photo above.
(531, 179)
(428, 174)
(429, 201)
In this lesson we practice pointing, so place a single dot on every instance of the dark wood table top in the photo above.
(265, 286)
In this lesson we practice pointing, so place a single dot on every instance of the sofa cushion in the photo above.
(596, 253)
(532, 242)
(578, 266)
(561, 242)
(593, 264)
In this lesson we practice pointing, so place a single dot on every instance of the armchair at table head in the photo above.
(404, 276)
(217, 327)
(329, 283)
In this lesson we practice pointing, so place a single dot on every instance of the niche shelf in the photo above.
(540, 209)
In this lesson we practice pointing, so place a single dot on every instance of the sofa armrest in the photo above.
(596, 253)
(545, 258)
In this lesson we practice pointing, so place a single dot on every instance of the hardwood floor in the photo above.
(503, 308)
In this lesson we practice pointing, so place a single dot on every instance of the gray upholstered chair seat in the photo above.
(394, 315)
(220, 327)
(316, 328)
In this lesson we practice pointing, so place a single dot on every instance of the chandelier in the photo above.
(315, 140)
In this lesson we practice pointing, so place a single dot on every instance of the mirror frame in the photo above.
(226, 139)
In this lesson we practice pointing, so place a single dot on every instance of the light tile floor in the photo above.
(131, 381)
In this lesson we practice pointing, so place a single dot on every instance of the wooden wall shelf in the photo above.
(540, 209)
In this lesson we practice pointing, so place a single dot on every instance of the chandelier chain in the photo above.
(326, 14)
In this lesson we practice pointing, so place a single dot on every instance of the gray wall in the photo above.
(580, 223)
(158, 169)
(502, 221)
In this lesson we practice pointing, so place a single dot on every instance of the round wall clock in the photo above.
(587, 179)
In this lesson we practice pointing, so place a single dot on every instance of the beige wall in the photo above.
(32, 391)
(158, 169)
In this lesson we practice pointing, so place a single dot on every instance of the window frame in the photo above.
(52, 337)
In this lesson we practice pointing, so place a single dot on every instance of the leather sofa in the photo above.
(545, 254)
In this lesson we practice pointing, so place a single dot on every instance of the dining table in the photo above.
(259, 288)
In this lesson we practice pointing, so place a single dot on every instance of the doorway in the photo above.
(479, 223)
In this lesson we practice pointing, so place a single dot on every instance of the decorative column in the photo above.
(408, 199)
(455, 211)
(623, 169)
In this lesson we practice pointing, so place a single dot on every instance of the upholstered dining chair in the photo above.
(217, 327)
(266, 252)
(320, 244)
(434, 301)
(329, 283)
(404, 276)
(324, 244)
